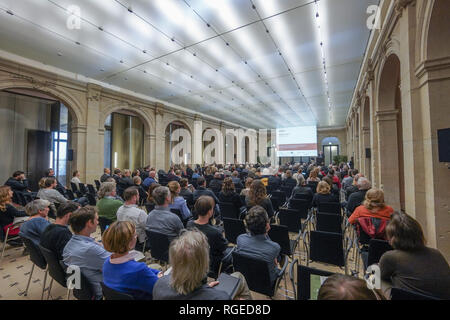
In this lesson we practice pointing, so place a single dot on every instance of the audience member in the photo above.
(216, 183)
(343, 287)
(106, 175)
(258, 197)
(248, 183)
(372, 207)
(323, 194)
(120, 271)
(189, 258)
(302, 189)
(18, 182)
(108, 205)
(149, 180)
(83, 251)
(185, 189)
(38, 221)
(8, 213)
(76, 178)
(178, 202)
(229, 195)
(142, 191)
(357, 198)
(412, 265)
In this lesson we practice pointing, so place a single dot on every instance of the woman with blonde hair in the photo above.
(178, 202)
(372, 207)
(120, 271)
(8, 212)
(189, 258)
(248, 183)
(323, 194)
(257, 196)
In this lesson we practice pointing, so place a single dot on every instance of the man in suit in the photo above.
(106, 174)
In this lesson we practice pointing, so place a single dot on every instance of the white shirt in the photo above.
(133, 214)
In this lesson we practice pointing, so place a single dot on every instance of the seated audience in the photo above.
(323, 194)
(412, 265)
(258, 197)
(302, 189)
(229, 195)
(138, 184)
(372, 207)
(56, 236)
(178, 202)
(55, 197)
(248, 183)
(124, 182)
(204, 207)
(149, 180)
(8, 213)
(106, 175)
(18, 182)
(129, 211)
(313, 176)
(216, 183)
(343, 287)
(76, 178)
(189, 258)
(83, 251)
(38, 221)
(117, 175)
(334, 190)
(348, 181)
(202, 191)
(150, 204)
(289, 181)
(256, 243)
(50, 173)
(236, 180)
(353, 187)
(108, 205)
(333, 175)
(161, 219)
(185, 189)
(120, 271)
(357, 198)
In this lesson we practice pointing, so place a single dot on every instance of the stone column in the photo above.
(160, 148)
(388, 156)
(197, 141)
(153, 149)
(78, 134)
(94, 152)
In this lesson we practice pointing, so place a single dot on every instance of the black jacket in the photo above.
(104, 177)
(17, 185)
(320, 198)
(216, 185)
(355, 200)
(233, 198)
(303, 190)
(7, 216)
(201, 191)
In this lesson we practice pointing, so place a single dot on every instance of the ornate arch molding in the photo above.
(71, 102)
(148, 119)
(171, 119)
(391, 47)
(424, 13)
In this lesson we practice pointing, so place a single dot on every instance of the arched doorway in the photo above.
(390, 128)
(124, 140)
(36, 129)
(178, 144)
(331, 147)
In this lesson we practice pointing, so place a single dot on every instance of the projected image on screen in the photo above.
(297, 142)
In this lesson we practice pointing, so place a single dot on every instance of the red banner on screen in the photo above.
(299, 146)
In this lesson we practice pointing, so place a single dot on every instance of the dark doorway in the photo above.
(39, 147)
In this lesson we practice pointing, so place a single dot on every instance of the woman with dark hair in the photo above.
(229, 195)
(412, 265)
(8, 212)
(248, 183)
(257, 196)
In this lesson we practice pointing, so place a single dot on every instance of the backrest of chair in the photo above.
(290, 218)
(287, 190)
(91, 189)
(307, 279)
(402, 294)
(189, 199)
(376, 249)
(83, 189)
(149, 206)
(233, 229)
(111, 294)
(256, 273)
(159, 245)
(54, 267)
(91, 199)
(97, 184)
(74, 187)
(35, 253)
(371, 228)
(228, 210)
(329, 222)
(85, 292)
(70, 194)
(279, 195)
(329, 207)
(327, 247)
(301, 206)
(103, 223)
(280, 235)
(313, 186)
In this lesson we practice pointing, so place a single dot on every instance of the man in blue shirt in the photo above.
(83, 251)
(257, 244)
(38, 221)
(149, 180)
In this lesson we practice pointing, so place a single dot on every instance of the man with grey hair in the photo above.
(161, 219)
(108, 203)
(357, 198)
(35, 225)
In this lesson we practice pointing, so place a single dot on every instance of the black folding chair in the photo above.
(38, 260)
(329, 207)
(70, 194)
(256, 273)
(149, 207)
(329, 222)
(85, 292)
(228, 210)
(313, 186)
(159, 245)
(55, 270)
(402, 294)
(74, 187)
(328, 247)
(308, 281)
(83, 189)
(91, 189)
(376, 249)
(179, 215)
(111, 294)
(104, 223)
(281, 195)
(280, 235)
(233, 229)
(97, 184)
(287, 190)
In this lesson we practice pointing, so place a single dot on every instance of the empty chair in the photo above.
(159, 245)
(70, 194)
(257, 275)
(104, 223)
(280, 235)
(91, 199)
(292, 219)
(329, 207)
(111, 294)
(327, 247)
(233, 228)
(83, 189)
(97, 184)
(91, 189)
(55, 269)
(376, 249)
(228, 210)
(329, 222)
(38, 260)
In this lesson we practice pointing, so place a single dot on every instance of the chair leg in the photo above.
(29, 280)
(43, 285)
(50, 289)
(4, 245)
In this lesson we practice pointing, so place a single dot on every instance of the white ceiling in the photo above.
(211, 56)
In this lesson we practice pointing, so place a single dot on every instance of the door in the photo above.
(329, 152)
(39, 146)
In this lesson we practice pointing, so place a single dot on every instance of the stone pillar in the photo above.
(78, 134)
(388, 156)
(160, 148)
(147, 148)
(197, 141)
(153, 149)
(94, 152)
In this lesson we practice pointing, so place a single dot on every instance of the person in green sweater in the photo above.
(108, 204)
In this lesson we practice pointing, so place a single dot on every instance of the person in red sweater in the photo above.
(373, 206)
